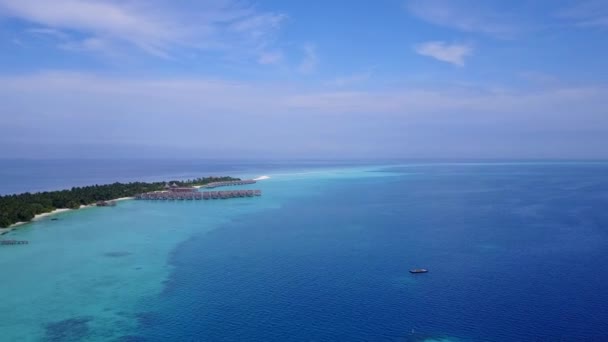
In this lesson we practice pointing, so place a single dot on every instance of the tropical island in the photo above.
(24, 207)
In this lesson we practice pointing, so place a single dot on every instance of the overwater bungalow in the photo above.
(13, 242)
(196, 195)
(229, 183)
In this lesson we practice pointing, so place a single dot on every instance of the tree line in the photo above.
(23, 207)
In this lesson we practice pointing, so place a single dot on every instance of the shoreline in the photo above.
(19, 206)
(39, 217)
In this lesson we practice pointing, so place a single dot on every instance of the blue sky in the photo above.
(326, 79)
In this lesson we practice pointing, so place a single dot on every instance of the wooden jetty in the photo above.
(195, 195)
(230, 194)
(13, 242)
(229, 183)
(170, 196)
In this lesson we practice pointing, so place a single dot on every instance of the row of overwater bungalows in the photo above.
(229, 183)
(231, 194)
(195, 195)
(13, 242)
(169, 195)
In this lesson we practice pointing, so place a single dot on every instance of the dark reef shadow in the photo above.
(131, 338)
(117, 254)
(72, 329)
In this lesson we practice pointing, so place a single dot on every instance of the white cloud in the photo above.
(259, 26)
(467, 16)
(540, 78)
(349, 80)
(43, 31)
(587, 13)
(77, 108)
(442, 51)
(152, 26)
(67, 94)
(270, 57)
(310, 60)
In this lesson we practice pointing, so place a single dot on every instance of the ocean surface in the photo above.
(516, 252)
(25, 175)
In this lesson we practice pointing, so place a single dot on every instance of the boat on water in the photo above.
(419, 270)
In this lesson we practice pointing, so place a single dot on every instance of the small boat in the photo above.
(419, 270)
(54, 219)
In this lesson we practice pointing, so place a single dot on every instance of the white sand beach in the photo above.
(38, 217)
(122, 199)
(54, 212)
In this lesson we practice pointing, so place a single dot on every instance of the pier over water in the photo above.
(195, 195)
(13, 242)
(174, 192)
(229, 183)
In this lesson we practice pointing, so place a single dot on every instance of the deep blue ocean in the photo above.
(515, 252)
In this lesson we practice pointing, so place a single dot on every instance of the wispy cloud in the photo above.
(465, 15)
(169, 96)
(445, 52)
(540, 78)
(587, 13)
(270, 57)
(310, 60)
(149, 26)
(45, 31)
(259, 26)
(17, 42)
(349, 80)
(85, 108)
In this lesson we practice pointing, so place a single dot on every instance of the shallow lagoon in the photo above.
(323, 256)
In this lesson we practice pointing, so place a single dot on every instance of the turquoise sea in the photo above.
(516, 252)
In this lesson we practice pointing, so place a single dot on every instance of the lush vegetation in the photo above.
(23, 207)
